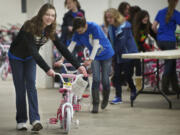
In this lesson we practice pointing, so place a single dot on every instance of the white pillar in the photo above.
(42, 80)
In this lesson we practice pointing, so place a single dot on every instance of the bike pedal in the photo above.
(53, 120)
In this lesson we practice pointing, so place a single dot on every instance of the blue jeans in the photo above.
(24, 78)
(170, 65)
(98, 67)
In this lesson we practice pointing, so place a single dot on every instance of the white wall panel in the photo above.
(95, 8)
(10, 12)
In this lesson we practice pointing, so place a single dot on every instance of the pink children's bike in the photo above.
(72, 93)
(151, 78)
(4, 62)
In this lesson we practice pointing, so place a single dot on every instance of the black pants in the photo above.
(123, 72)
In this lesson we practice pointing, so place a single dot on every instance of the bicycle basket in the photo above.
(79, 87)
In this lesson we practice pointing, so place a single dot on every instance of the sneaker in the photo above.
(116, 100)
(21, 126)
(36, 125)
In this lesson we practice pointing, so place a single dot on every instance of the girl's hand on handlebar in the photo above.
(83, 71)
(51, 73)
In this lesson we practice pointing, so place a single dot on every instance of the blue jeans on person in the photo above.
(123, 72)
(101, 71)
(170, 65)
(24, 78)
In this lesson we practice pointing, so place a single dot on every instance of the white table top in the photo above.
(169, 54)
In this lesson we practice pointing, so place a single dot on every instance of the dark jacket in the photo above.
(26, 46)
(141, 42)
(123, 42)
(67, 21)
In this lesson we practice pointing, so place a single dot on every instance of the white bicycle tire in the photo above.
(4, 73)
(67, 120)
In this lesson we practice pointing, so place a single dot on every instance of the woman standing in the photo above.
(142, 27)
(120, 34)
(24, 55)
(167, 20)
(75, 10)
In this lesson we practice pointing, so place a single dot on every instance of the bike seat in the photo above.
(53, 120)
(85, 95)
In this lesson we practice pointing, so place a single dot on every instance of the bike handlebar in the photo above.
(69, 71)
(72, 76)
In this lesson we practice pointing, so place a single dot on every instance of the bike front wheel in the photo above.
(67, 120)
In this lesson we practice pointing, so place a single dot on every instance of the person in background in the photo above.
(120, 35)
(132, 12)
(167, 19)
(124, 9)
(91, 35)
(74, 10)
(23, 56)
(142, 28)
(137, 62)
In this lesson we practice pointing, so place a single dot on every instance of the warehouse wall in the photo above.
(10, 12)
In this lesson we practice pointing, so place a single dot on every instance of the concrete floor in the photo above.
(149, 116)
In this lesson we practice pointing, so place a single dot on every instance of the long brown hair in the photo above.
(171, 7)
(122, 7)
(118, 18)
(138, 25)
(77, 3)
(132, 12)
(35, 25)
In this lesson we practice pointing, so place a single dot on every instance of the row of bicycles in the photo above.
(4, 62)
(150, 70)
(7, 34)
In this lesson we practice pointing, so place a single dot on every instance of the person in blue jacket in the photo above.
(167, 20)
(120, 35)
(92, 36)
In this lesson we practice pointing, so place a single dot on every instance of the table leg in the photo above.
(142, 88)
(161, 92)
(157, 77)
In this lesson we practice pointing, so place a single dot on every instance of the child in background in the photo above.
(91, 35)
(120, 35)
(167, 19)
